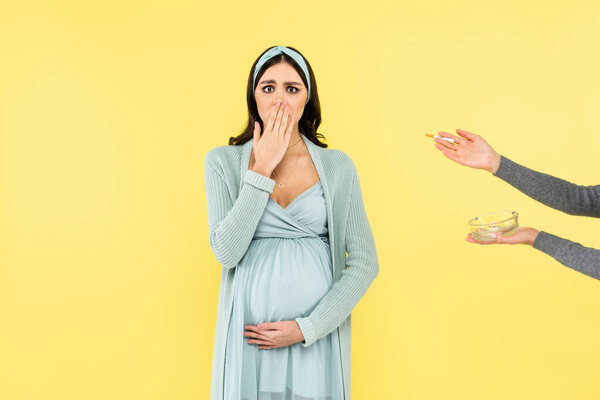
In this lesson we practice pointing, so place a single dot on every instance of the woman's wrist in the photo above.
(262, 170)
(533, 234)
(300, 335)
(495, 163)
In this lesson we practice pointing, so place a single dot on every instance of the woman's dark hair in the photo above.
(311, 117)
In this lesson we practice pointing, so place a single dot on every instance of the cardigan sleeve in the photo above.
(231, 225)
(551, 191)
(361, 269)
(571, 254)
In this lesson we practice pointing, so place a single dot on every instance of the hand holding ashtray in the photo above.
(503, 222)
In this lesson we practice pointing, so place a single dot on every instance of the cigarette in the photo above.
(439, 137)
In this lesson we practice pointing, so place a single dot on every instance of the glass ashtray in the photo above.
(503, 222)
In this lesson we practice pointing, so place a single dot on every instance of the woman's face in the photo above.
(280, 82)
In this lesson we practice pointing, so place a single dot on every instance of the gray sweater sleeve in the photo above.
(551, 191)
(583, 259)
(564, 196)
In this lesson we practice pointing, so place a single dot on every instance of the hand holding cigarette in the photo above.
(439, 137)
(469, 149)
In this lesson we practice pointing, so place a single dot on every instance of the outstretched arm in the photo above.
(551, 191)
(473, 151)
(582, 259)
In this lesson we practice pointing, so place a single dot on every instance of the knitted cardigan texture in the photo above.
(236, 198)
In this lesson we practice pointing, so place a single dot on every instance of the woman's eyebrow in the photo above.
(271, 81)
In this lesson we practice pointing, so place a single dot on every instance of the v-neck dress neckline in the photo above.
(295, 198)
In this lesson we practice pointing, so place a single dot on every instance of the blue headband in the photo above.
(280, 50)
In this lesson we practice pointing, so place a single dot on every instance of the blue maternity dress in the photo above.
(283, 275)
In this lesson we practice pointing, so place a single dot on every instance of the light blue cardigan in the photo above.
(234, 213)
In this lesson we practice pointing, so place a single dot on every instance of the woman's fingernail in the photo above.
(494, 235)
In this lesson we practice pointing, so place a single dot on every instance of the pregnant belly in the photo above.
(286, 278)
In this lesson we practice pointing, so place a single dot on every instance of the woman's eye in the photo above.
(269, 88)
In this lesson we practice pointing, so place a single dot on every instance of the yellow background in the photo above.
(108, 287)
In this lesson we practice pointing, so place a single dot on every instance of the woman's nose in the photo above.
(281, 99)
(281, 96)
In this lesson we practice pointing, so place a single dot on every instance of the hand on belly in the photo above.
(270, 335)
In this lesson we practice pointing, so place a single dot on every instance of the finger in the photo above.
(446, 144)
(278, 113)
(288, 132)
(267, 326)
(451, 154)
(261, 342)
(256, 335)
(277, 124)
(466, 135)
(252, 328)
(264, 333)
(256, 133)
(472, 240)
(269, 126)
(457, 139)
(284, 121)
(268, 347)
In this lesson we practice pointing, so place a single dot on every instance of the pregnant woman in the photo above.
(288, 224)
